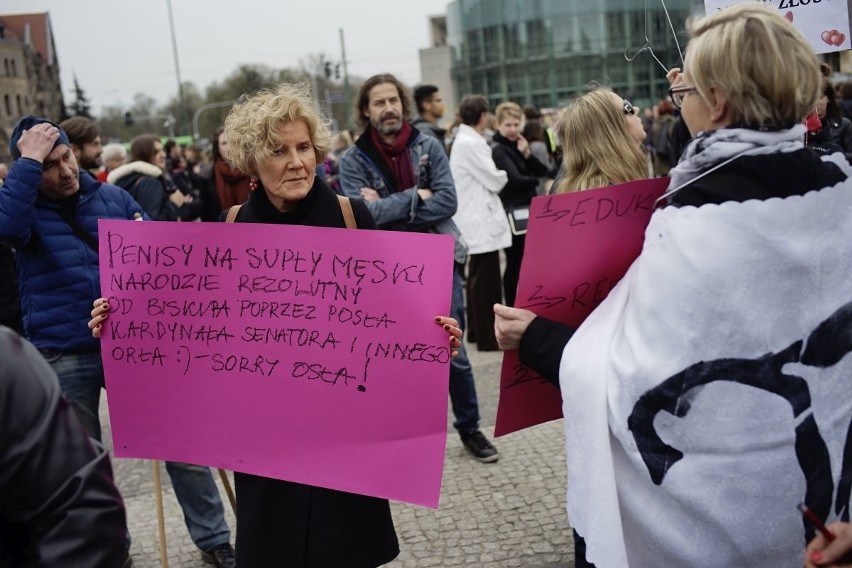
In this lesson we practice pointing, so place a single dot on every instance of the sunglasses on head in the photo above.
(628, 107)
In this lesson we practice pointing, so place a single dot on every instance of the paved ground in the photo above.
(510, 513)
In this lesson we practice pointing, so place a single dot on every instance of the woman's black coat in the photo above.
(280, 523)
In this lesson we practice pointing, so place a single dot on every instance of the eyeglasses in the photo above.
(628, 107)
(677, 94)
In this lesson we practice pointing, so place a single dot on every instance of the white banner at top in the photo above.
(824, 23)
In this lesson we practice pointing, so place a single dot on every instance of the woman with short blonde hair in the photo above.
(509, 109)
(710, 386)
(767, 71)
(279, 136)
(511, 153)
(600, 142)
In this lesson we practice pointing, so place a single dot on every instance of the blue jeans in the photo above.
(81, 376)
(462, 386)
(199, 498)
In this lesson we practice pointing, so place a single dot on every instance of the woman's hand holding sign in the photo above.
(451, 326)
(100, 309)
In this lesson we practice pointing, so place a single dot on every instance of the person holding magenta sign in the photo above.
(602, 135)
(706, 395)
(613, 155)
(278, 137)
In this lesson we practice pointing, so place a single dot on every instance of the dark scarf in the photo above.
(265, 212)
(397, 156)
(232, 185)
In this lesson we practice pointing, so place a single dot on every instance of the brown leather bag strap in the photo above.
(348, 215)
(232, 213)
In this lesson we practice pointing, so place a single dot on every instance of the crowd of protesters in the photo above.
(407, 167)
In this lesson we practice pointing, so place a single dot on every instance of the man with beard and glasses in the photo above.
(404, 177)
(85, 138)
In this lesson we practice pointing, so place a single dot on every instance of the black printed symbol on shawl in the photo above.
(826, 346)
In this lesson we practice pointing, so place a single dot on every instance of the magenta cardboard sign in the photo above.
(578, 246)
(298, 353)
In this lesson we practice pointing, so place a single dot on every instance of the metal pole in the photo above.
(170, 124)
(551, 67)
(348, 104)
(184, 118)
(195, 134)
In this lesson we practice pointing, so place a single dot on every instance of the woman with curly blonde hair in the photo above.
(278, 137)
(602, 138)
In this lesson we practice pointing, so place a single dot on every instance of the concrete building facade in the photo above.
(436, 67)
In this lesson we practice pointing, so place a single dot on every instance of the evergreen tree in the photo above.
(81, 105)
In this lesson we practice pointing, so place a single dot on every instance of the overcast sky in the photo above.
(118, 48)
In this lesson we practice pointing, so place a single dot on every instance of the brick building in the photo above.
(29, 73)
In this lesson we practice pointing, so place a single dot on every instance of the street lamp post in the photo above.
(195, 134)
(183, 113)
(345, 78)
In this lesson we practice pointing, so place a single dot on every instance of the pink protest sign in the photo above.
(578, 246)
(298, 353)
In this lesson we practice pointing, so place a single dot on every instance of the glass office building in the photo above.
(544, 51)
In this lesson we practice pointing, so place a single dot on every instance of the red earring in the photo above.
(252, 183)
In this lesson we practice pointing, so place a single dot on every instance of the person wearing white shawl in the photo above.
(705, 397)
